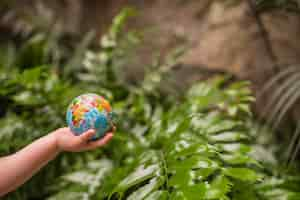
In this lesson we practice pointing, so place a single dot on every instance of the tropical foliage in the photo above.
(198, 144)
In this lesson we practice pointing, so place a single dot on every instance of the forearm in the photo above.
(19, 167)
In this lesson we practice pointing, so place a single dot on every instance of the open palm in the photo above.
(67, 141)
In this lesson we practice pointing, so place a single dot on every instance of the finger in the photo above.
(99, 143)
(63, 130)
(86, 136)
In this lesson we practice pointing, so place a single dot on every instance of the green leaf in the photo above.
(233, 110)
(142, 192)
(203, 173)
(243, 174)
(235, 147)
(158, 195)
(120, 19)
(244, 190)
(182, 178)
(223, 125)
(192, 192)
(30, 77)
(219, 188)
(28, 98)
(214, 123)
(230, 136)
(140, 174)
(245, 108)
(183, 149)
(81, 177)
(237, 158)
(193, 162)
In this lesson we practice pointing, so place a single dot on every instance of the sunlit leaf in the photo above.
(243, 174)
(141, 174)
(142, 192)
(218, 188)
(158, 195)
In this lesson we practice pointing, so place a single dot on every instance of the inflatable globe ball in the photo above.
(90, 111)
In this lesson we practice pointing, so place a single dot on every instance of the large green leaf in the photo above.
(142, 192)
(192, 192)
(219, 188)
(140, 174)
(243, 174)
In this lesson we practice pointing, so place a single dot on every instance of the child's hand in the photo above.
(67, 141)
(19, 167)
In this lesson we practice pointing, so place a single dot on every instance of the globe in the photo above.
(90, 111)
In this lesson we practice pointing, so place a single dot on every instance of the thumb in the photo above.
(86, 136)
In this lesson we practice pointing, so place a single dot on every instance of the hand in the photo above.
(67, 141)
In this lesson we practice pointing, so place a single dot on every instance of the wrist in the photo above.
(55, 140)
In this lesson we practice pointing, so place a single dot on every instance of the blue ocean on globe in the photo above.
(90, 111)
